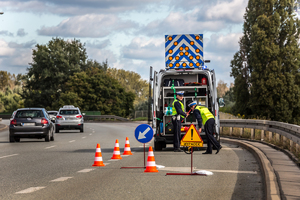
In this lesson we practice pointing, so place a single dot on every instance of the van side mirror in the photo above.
(83, 114)
(221, 102)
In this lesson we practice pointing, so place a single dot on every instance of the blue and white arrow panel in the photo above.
(143, 133)
(184, 51)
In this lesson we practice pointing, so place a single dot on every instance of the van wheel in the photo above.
(11, 139)
(158, 146)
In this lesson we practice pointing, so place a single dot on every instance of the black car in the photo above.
(31, 123)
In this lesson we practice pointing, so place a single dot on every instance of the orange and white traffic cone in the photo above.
(116, 154)
(127, 150)
(98, 162)
(151, 166)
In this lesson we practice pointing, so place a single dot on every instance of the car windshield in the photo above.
(29, 113)
(68, 112)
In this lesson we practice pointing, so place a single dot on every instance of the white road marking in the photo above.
(29, 190)
(9, 156)
(83, 137)
(124, 155)
(61, 179)
(85, 170)
(114, 160)
(72, 141)
(90, 134)
(188, 169)
(93, 131)
(50, 147)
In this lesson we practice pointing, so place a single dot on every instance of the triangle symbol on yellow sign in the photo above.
(192, 135)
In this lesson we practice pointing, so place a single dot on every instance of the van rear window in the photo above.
(29, 113)
(68, 112)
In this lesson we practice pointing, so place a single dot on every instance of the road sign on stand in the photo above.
(143, 133)
(192, 138)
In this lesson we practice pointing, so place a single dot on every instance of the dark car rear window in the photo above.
(52, 113)
(29, 113)
(68, 112)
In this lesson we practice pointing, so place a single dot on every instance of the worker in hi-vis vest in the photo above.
(202, 114)
(178, 114)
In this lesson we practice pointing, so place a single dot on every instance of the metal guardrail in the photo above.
(289, 131)
(104, 118)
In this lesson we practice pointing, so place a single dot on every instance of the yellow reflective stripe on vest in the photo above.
(205, 113)
(174, 112)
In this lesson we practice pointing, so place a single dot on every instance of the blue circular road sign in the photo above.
(143, 133)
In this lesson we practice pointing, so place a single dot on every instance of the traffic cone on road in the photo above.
(151, 166)
(98, 162)
(116, 154)
(127, 150)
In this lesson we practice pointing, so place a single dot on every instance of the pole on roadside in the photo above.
(150, 99)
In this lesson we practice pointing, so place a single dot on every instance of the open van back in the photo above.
(184, 71)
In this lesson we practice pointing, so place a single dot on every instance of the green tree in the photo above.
(51, 68)
(132, 82)
(4, 79)
(266, 69)
(93, 89)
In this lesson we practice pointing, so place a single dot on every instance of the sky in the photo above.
(129, 34)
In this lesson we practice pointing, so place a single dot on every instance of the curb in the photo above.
(271, 187)
(287, 152)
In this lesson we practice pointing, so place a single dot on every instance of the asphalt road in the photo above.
(35, 169)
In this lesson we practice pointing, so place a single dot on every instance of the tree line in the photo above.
(266, 69)
(61, 74)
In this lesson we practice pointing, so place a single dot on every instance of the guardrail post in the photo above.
(270, 136)
(262, 135)
(291, 145)
(277, 138)
(241, 132)
(252, 134)
(284, 140)
(230, 131)
(221, 130)
(297, 147)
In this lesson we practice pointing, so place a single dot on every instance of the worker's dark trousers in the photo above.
(177, 133)
(209, 131)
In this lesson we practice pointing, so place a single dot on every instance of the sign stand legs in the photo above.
(192, 173)
(138, 167)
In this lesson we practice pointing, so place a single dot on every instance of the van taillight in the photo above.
(13, 122)
(44, 121)
(58, 117)
(79, 116)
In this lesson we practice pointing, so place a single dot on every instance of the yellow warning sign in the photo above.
(192, 138)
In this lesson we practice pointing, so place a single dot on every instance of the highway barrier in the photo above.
(104, 118)
(278, 131)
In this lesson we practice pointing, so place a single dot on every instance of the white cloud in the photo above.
(89, 25)
(14, 57)
(223, 44)
(75, 7)
(230, 11)
(141, 48)
(5, 50)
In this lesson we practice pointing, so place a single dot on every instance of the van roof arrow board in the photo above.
(143, 133)
(192, 138)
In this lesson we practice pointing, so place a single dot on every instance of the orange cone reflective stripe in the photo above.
(116, 153)
(98, 162)
(151, 166)
(127, 150)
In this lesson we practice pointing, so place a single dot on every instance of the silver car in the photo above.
(67, 118)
